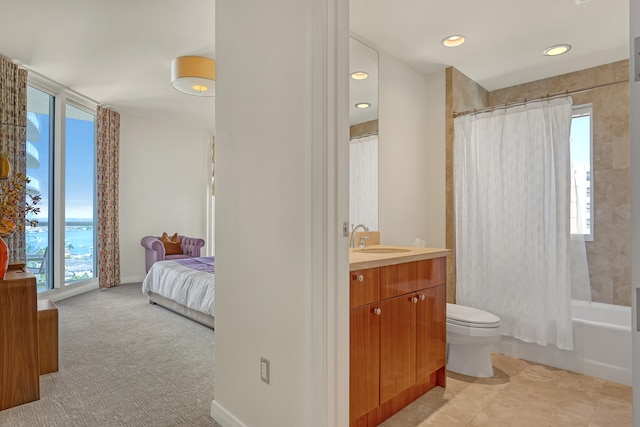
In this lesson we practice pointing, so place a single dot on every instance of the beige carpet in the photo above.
(124, 362)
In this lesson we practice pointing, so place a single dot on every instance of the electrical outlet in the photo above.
(264, 370)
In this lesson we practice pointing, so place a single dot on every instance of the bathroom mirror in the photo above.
(363, 151)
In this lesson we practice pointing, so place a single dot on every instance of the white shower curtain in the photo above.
(363, 181)
(512, 194)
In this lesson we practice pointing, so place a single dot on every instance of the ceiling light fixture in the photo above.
(453, 41)
(363, 105)
(359, 75)
(194, 75)
(556, 50)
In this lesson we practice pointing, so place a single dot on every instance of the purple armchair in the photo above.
(154, 249)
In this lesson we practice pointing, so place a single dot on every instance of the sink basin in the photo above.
(381, 250)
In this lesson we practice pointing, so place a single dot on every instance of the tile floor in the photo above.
(520, 394)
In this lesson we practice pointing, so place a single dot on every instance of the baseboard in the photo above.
(224, 417)
(60, 294)
(131, 279)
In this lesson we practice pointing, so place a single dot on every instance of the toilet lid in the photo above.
(469, 316)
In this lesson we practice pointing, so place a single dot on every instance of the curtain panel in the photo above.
(108, 152)
(13, 122)
(363, 181)
(512, 200)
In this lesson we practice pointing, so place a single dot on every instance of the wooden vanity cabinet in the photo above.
(398, 342)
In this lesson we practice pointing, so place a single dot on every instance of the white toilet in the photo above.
(470, 336)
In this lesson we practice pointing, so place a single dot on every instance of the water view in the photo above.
(79, 252)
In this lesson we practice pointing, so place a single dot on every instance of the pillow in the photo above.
(171, 244)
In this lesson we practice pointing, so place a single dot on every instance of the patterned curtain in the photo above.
(13, 122)
(108, 170)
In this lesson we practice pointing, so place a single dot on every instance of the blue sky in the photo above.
(580, 141)
(79, 167)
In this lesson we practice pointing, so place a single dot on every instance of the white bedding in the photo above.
(184, 285)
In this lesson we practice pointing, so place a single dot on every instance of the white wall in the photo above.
(281, 261)
(412, 154)
(164, 179)
(634, 29)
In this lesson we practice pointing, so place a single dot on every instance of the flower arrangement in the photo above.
(13, 207)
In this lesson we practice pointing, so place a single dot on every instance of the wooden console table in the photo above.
(19, 362)
(48, 336)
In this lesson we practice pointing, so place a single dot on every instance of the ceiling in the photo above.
(119, 52)
(505, 38)
(116, 52)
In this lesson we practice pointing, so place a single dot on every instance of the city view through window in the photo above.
(75, 173)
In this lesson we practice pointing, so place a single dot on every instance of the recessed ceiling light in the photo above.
(363, 105)
(453, 41)
(359, 75)
(556, 50)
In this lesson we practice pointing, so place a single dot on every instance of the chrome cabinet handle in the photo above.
(414, 300)
(377, 311)
(360, 278)
(422, 297)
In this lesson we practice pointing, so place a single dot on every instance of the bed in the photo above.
(184, 286)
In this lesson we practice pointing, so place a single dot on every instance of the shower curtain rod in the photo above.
(542, 98)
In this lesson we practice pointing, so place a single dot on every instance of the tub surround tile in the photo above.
(601, 288)
(521, 394)
(622, 295)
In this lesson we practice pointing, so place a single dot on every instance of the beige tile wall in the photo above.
(609, 253)
(363, 129)
(462, 94)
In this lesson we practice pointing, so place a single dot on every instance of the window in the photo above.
(61, 164)
(581, 166)
(79, 230)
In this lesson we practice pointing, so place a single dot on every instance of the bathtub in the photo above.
(601, 341)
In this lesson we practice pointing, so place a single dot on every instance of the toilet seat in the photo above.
(473, 325)
(462, 315)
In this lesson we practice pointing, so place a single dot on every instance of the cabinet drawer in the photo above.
(364, 287)
(409, 277)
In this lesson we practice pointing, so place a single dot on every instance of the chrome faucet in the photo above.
(352, 241)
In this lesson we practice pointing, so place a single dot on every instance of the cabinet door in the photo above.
(397, 346)
(431, 332)
(364, 287)
(364, 380)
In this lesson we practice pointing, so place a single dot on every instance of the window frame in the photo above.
(63, 96)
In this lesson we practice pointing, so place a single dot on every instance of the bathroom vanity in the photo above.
(397, 328)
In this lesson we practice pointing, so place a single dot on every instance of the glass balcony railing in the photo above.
(79, 253)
